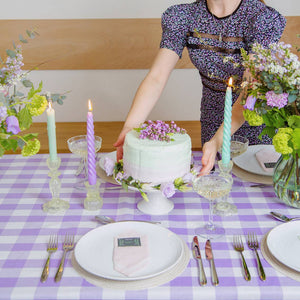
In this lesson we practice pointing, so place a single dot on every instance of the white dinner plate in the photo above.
(94, 251)
(248, 162)
(284, 243)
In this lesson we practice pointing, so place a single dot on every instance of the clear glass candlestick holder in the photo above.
(93, 201)
(56, 204)
(223, 207)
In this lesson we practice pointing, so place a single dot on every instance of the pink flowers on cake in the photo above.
(159, 130)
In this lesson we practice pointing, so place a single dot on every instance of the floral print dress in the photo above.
(209, 40)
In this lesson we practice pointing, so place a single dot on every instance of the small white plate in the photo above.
(94, 251)
(248, 162)
(284, 243)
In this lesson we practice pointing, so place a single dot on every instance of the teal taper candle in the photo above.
(51, 132)
(227, 125)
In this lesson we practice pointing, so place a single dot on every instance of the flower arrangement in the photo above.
(273, 99)
(273, 95)
(20, 101)
(167, 189)
(159, 130)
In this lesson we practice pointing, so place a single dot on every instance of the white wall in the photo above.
(112, 90)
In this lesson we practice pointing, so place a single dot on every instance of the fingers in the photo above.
(119, 153)
(208, 158)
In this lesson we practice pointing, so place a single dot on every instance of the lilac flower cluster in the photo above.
(277, 100)
(3, 113)
(12, 72)
(159, 130)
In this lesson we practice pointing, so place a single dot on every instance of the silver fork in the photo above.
(239, 246)
(253, 245)
(51, 248)
(67, 246)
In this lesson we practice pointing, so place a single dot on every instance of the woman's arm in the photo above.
(148, 93)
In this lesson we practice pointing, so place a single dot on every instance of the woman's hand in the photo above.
(120, 141)
(210, 150)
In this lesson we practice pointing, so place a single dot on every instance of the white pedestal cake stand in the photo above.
(157, 204)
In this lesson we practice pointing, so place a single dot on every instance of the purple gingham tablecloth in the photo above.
(25, 230)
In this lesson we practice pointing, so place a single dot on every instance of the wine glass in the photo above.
(238, 146)
(212, 186)
(78, 145)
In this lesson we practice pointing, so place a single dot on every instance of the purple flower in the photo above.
(167, 189)
(188, 177)
(277, 100)
(12, 125)
(119, 176)
(3, 113)
(250, 102)
(108, 165)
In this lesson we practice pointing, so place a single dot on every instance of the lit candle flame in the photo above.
(230, 82)
(90, 105)
(50, 105)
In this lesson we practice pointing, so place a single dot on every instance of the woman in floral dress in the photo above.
(211, 30)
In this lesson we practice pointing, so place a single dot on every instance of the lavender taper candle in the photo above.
(227, 125)
(92, 177)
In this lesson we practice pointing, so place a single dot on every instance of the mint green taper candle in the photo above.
(51, 132)
(227, 124)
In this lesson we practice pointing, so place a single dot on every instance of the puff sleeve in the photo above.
(266, 27)
(174, 29)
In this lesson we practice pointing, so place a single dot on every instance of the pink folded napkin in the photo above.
(127, 258)
(267, 159)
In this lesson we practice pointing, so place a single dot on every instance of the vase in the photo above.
(286, 180)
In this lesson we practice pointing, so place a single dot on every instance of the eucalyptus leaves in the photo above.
(20, 101)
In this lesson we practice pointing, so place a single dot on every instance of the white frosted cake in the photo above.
(156, 161)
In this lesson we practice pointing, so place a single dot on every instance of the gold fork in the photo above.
(51, 247)
(239, 246)
(253, 245)
(67, 246)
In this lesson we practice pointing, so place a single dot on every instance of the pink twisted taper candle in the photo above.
(92, 177)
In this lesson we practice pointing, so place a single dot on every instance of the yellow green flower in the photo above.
(178, 181)
(252, 117)
(281, 139)
(38, 105)
(31, 148)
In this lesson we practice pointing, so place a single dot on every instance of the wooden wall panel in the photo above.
(98, 43)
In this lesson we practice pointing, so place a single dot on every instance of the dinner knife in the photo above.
(197, 256)
(210, 257)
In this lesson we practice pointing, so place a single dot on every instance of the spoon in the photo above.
(107, 220)
(283, 218)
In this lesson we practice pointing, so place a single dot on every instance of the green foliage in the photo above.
(19, 105)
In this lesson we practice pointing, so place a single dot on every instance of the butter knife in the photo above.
(210, 257)
(197, 256)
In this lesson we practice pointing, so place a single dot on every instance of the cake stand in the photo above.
(157, 203)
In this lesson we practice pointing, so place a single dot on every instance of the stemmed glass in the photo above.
(238, 146)
(212, 186)
(78, 146)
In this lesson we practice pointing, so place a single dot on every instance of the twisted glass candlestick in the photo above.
(56, 204)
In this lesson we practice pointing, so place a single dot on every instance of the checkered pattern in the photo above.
(25, 230)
